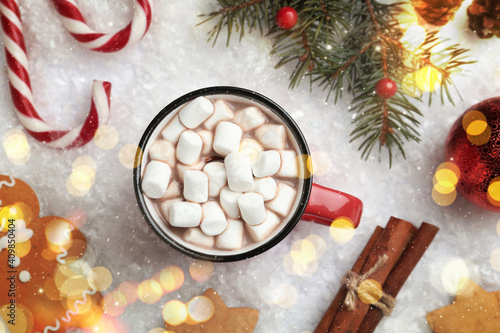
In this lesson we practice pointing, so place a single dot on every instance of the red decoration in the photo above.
(386, 88)
(473, 145)
(286, 18)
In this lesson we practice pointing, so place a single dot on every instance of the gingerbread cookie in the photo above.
(222, 319)
(40, 260)
(473, 311)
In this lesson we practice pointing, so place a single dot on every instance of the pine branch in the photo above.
(347, 46)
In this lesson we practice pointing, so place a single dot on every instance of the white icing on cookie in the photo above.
(11, 184)
(24, 276)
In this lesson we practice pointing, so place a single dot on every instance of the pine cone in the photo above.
(484, 18)
(436, 12)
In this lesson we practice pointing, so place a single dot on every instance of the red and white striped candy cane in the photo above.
(22, 95)
(73, 20)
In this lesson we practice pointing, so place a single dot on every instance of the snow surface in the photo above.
(175, 58)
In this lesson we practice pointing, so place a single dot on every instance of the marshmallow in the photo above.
(162, 150)
(173, 130)
(266, 163)
(214, 220)
(189, 147)
(216, 172)
(252, 208)
(262, 231)
(222, 112)
(284, 199)
(181, 168)
(266, 187)
(239, 172)
(289, 164)
(227, 138)
(195, 112)
(156, 179)
(173, 190)
(229, 202)
(271, 136)
(249, 118)
(232, 237)
(197, 237)
(195, 186)
(184, 214)
(207, 138)
(165, 207)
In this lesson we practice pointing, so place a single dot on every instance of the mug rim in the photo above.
(251, 96)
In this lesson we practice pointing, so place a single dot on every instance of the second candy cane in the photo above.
(22, 95)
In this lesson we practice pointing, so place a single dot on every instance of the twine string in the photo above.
(352, 281)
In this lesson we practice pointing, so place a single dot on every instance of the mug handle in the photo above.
(326, 204)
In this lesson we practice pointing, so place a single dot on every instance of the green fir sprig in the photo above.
(347, 46)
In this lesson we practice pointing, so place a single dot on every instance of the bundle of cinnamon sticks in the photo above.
(401, 245)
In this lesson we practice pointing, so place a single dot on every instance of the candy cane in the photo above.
(22, 95)
(73, 20)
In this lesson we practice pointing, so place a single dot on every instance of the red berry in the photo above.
(286, 18)
(386, 88)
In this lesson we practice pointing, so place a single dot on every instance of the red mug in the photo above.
(313, 202)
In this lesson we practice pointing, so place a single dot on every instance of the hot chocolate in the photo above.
(223, 174)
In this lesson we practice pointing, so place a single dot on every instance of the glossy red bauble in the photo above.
(473, 145)
(386, 88)
(286, 18)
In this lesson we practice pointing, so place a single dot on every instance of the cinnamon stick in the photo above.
(391, 243)
(326, 321)
(398, 276)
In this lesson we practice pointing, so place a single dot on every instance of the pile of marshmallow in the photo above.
(234, 170)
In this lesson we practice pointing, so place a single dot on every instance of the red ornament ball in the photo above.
(286, 18)
(473, 146)
(386, 88)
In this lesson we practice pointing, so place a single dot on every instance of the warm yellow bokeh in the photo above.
(494, 191)
(100, 278)
(106, 137)
(409, 85)
(171, 278)
(428, 78)
(16, 146)
(127, 154)
(201, 271)
(341, 230)
(200, 309)
(175, 312)
(149, 291)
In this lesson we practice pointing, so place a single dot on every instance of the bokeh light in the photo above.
(115, 303)
(321, 163)
(476, 127)
(370, 291)
(495, 259)
(200, 309)
(341, 230)
(158, 330)
(58, 235)
(82, 177)
(285, 296)
(305, 166)
(106, 137)
(456, 276)
(445, 181)
(302, 259)
(428, 78)
(129, 290)
(100, 278)
(498, 228)
(201, 271)
(413, 37)
(149, 291)
(171, 278)
(409, 85)
(16, 146)
(174, 312)
(493, 193)
(250, 147)
(405, 18)
(126, 155)
(23, 320)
